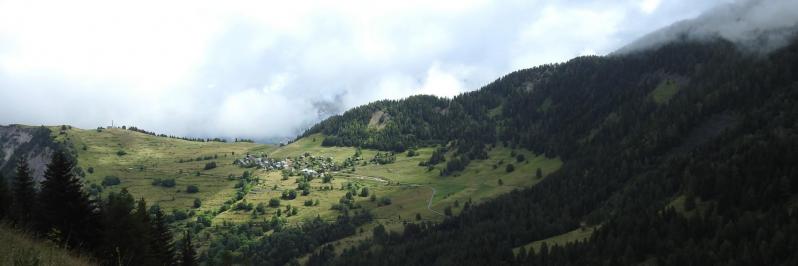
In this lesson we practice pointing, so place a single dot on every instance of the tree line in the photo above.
(116, 231)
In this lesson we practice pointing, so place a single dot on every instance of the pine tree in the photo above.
(121, 245)
(142, 251)
(65, 212)
(161, 240)
(24, 194)
(4, 198)
(187, 252)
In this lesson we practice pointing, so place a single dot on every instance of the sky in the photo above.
(270, 69)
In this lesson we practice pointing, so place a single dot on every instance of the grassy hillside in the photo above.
(417, 194)
(407, 184)
(579, 234)
(138, 159)
(17, 248)
(413, 193)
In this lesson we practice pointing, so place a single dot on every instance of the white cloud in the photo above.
(559, 34)
(194, 67)
(649, 6)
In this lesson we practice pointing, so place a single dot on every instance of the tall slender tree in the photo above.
(65, 213)
(142, 228)
(125, 238)
(5, 198)
(187, 252)
(24, 194)
(162, 240)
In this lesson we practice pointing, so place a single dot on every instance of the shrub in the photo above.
(364, 192)
(510, 168)
(121, 153)
(289, 195)
(169, 182)
(197, 203)
(90, 170)
(384, 201)
(179, 215)
(111, 181)
(309, 203)
(274, 202)
(520, 158)
(192, 189)
(210, 165)
(243, 205)
(204, 220)
(95, 189)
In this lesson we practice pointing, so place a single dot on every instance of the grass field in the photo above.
(149, 157)
(17, 248)
(312, 144)
(678, 204)
(579, 234)
(137, 159)
(478, 182)
(664, 91)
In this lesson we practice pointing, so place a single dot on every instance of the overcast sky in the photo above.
(263, 69)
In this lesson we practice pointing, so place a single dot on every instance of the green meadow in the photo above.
(138, 160)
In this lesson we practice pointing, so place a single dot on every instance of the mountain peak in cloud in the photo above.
(758, 26)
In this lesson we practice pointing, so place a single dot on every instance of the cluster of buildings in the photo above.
(251, 161)
(307, 165)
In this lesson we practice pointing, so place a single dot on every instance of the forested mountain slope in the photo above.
(34, 144)
(701, 122)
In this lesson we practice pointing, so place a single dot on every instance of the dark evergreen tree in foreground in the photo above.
(142, 227)
(119, 231)
(162, 240)
(65, 213)
(24, 194)
(188, 254)
(5, 198)
(126, 232)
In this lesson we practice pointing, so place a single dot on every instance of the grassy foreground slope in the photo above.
(16, 248)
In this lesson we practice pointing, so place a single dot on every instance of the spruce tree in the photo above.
(142, 251)
(5, 199)
(161, 240)
(24, 194)
(187, 252)
(121, 243)
(65, 213)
